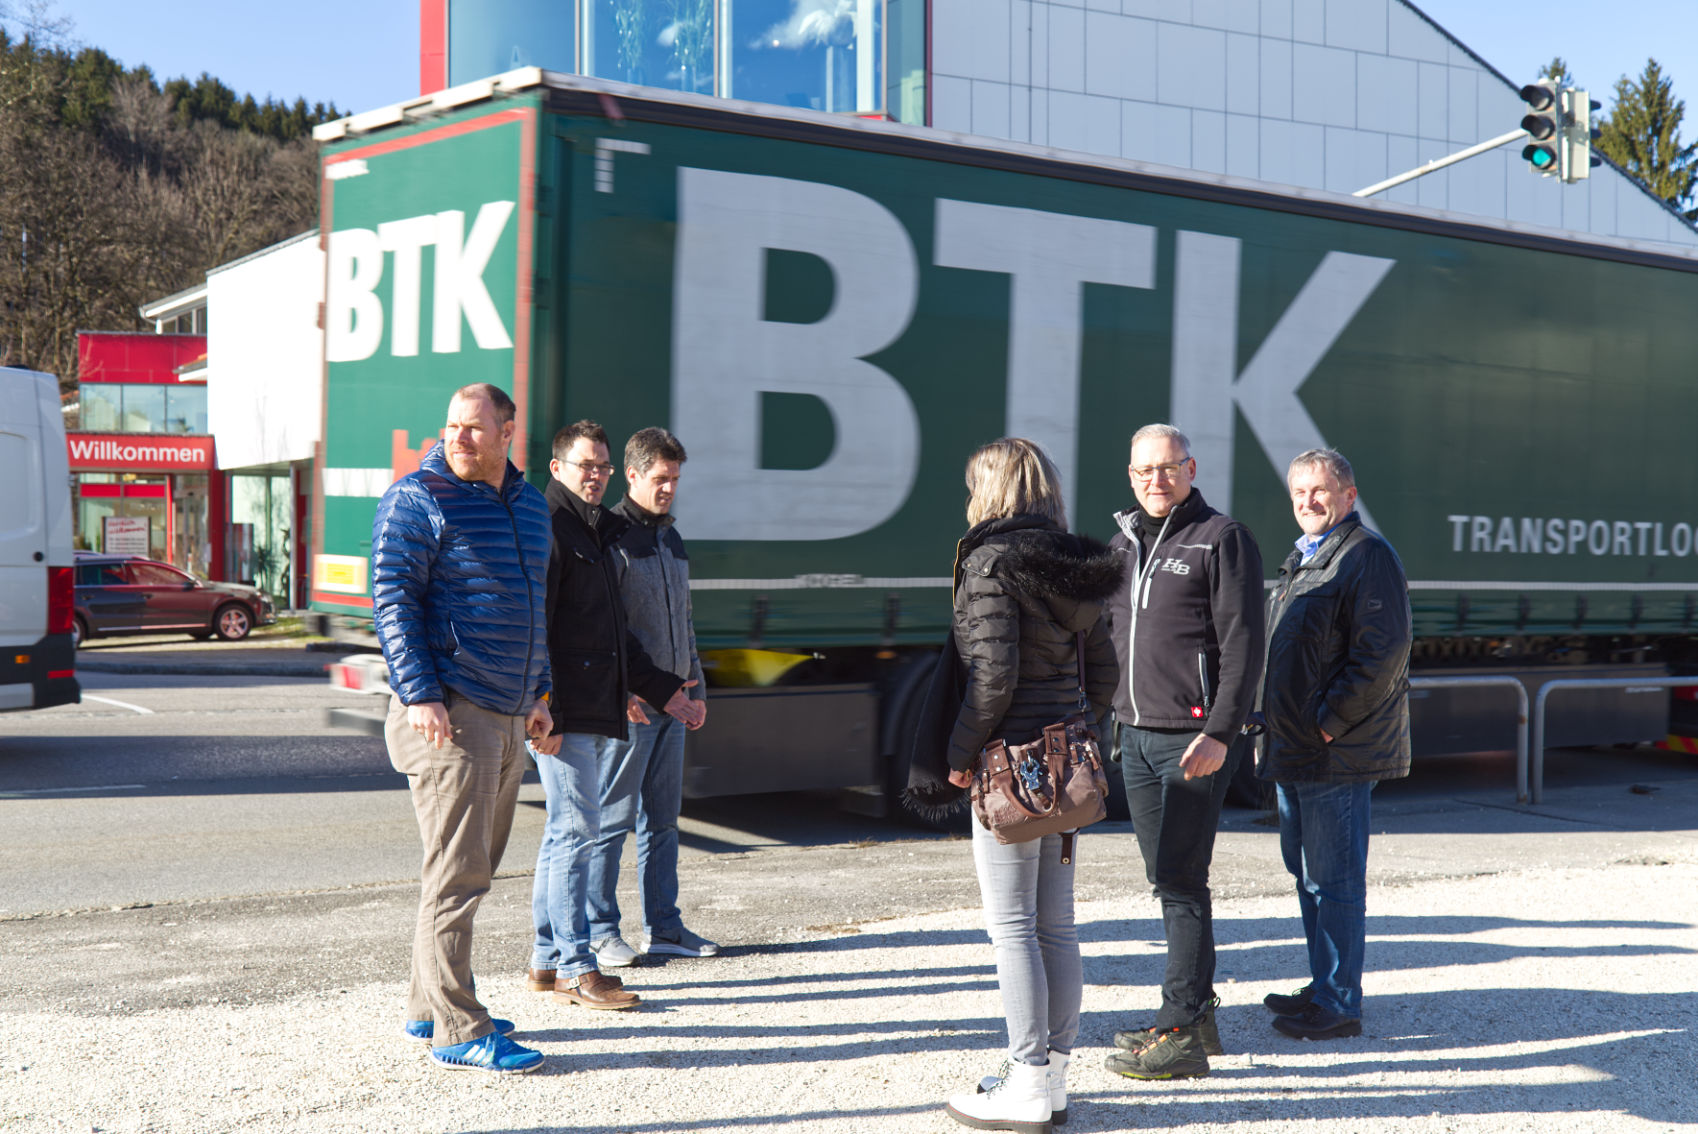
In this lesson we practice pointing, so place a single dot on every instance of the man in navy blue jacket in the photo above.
(459, 556)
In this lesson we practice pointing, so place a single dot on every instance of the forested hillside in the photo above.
(116, 189)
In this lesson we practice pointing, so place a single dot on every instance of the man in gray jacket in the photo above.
(642, 784)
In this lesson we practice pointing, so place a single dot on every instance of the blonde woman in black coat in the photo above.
(1024, 587)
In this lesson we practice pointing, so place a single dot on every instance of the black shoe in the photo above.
(1207, 1032)
(1175, 1053)
(1316, 1023)
(1282, 1005)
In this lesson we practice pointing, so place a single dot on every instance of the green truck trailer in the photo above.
(832, 313)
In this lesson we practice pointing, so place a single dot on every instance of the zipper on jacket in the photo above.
(530, 594)
(1141, 580)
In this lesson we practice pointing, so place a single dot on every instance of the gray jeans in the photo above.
(1028, 896)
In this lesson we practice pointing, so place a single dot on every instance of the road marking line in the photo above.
(120, 704)
(68, 790)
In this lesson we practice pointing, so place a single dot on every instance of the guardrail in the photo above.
(1521, 791)
(1581, 683)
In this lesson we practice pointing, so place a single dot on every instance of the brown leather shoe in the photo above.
(542, 980)
(594, 990)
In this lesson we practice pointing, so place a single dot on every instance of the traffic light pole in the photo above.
(1440, 163)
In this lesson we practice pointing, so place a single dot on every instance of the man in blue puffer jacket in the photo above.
(459, 556)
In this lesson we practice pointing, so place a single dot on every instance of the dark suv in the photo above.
(124, 594)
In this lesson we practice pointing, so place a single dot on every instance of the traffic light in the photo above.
(1578, 134)
(1543, 124)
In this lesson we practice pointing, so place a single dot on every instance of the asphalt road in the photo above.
(211, 836)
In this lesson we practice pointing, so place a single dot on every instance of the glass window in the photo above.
(156, 575)
(100, 575)
(144, 409)
(98, 405)
(905, 61)
(819, 54)
(185, 409)
(657, 43)
(487, 37)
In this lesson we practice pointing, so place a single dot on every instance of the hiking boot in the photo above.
(680, 942)
(1139, 1037)
(1316, 1023)
(613, 953)
(1283, 1005)
(1175, 1053)
(494, 1053)
(595, 990)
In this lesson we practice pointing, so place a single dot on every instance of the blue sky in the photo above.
(363, 54)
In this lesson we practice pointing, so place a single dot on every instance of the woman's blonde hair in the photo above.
(1011, 476)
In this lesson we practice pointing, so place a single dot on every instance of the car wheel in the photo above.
(79, 631)
(232, 622)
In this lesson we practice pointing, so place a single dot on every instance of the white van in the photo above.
(37, 593)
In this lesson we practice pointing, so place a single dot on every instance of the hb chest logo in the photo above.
(1177, 566)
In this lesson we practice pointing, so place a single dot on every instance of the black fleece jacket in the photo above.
(1197, 594)
(1023, 589)
(596, 659)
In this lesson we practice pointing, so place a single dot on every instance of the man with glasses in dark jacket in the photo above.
(1187, 626)
(1336, 705)
(458, 554)
(598, 663)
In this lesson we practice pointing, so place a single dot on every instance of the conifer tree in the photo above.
(1642, 136)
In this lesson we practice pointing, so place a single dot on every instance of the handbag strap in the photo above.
(1079, 668)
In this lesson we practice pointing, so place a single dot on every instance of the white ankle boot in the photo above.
(1057, 1085)
(1019, 1101)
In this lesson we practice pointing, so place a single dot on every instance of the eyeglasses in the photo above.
(1168, 471)
(591, 468)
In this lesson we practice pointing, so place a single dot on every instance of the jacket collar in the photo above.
(983, 530)
(1193, 507)
(1328, 548)
(637, 514)
(435, 462)
(562, 502)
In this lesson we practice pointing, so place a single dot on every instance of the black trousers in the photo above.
(1175, 820)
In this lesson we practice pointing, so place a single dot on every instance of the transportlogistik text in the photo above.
(1537, 535)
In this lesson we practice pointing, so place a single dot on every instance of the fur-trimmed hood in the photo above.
(1041, 561)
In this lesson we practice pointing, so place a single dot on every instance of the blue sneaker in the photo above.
(494, 1052)
(425, 1029)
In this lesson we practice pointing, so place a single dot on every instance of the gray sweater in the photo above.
(654, 580)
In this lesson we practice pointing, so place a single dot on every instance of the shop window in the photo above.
(99, 406)
(185, 409)
(144, 409)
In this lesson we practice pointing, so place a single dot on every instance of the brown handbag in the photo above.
(1046, 786)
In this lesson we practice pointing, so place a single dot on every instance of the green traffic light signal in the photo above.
(1541, 158)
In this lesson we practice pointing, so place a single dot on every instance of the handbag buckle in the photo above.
(1031, 773)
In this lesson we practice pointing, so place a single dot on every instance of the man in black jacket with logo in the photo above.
(1337, 710)
(1187, 626)
(599, 663)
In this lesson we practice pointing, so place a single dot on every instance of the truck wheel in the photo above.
(232, 622)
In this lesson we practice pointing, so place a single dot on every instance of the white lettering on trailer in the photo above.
(354, 316)
(1207, 386)
(1049, 257)
(1554, 535)
(726, 355)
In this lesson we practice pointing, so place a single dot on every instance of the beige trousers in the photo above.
(463, 794)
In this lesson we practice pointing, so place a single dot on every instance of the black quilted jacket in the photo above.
(1022, 590)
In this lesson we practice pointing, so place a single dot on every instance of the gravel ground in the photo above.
(1536, 999)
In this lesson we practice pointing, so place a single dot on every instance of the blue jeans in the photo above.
(642, 790)
(1175, 821)
(1028, 896)
(1323, 836)
(559, 896)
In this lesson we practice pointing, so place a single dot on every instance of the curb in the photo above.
(206, 669)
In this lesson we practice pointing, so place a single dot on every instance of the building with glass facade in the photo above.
(843, 56)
